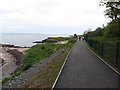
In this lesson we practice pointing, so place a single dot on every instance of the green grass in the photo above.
(38, 52)
(47, 75)
(102, 38)
(61, 38)
(5, 80)
(10, 77)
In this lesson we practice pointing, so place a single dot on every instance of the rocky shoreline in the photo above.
(14, 46)
(10, 59)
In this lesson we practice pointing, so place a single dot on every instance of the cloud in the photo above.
(15, 14)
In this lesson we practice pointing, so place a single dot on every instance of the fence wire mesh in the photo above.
(109, 51)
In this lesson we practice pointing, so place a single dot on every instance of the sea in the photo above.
(24, 40)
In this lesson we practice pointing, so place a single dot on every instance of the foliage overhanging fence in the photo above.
(109, 51)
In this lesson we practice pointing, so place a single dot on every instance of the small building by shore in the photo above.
(52, 40)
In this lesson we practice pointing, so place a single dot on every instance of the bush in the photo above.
(5, 80)
(112, 29)
(98, 32)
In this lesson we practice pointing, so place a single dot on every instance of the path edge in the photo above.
(53, 86)
(102, 60)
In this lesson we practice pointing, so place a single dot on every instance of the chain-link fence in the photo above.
(109, 51)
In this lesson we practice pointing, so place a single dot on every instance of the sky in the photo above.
(50, 16)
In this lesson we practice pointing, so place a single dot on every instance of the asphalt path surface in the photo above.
(84, 70)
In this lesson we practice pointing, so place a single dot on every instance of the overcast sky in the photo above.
(50, 16)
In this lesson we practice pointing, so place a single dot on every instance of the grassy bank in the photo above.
(102, 38)
(34, 55)
(46, 76)
(38, 52)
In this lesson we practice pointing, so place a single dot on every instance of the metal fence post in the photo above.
(116, 54)
(102, 49)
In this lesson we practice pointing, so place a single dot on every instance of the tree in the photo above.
(98, 32)
(112, 29)
(112, 8)
(87, 32)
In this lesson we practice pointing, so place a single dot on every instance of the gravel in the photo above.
(27, 75)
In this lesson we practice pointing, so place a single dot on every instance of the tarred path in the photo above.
(84, 70)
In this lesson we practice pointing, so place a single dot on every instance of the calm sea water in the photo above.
(22, 39)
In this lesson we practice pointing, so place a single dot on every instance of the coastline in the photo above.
(11, 55)
(25, 39)
(10, 59)
(12, 46)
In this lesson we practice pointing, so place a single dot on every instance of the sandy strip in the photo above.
(9, 64)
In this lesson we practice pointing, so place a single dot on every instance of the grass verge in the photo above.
(47, 75)
(39, 52)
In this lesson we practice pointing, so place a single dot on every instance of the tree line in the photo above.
(113, 27)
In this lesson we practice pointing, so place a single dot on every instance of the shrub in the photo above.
(5, 80)
(112, 29)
